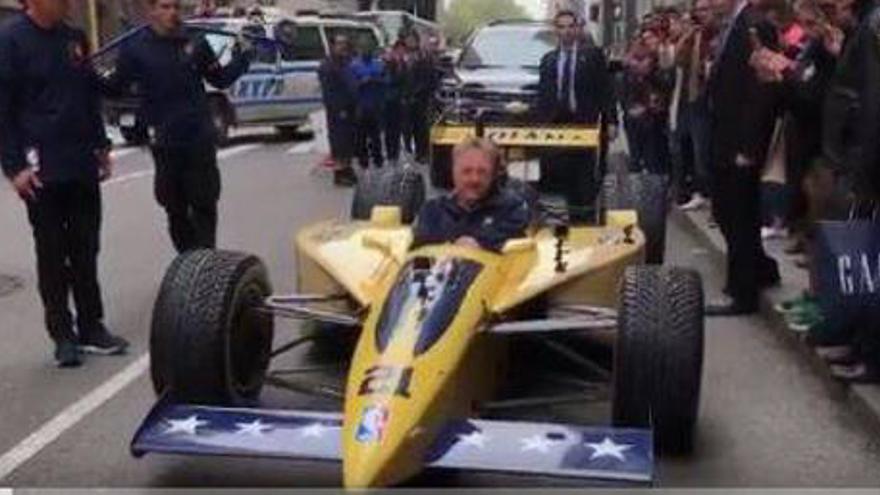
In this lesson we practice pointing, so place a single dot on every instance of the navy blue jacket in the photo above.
(49, 102)
(169, 72)
(502, 216)
(338, 88)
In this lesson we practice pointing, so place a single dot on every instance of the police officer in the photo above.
(339, 93)
(54, 151)
(169, 65)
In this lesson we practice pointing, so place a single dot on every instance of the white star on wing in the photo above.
(256, 429)
(474, 439)
(608, 449)
(314, 430)
(187, 426)
(537, 442)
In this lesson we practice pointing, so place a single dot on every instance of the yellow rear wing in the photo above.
(547, 136)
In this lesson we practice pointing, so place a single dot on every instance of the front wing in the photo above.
(600, 454)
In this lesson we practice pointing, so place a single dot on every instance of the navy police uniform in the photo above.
(50, 119)
(170, 72)
(503, 215)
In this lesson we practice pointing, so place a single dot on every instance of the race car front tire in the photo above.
(647, 194)
(658, 355)
(210, 344)
(401, 187)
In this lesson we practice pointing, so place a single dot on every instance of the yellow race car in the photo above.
(443, 335)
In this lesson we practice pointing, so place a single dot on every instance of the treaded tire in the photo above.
(658, 357)
(208, 344)
(404, 188)
(645, 193)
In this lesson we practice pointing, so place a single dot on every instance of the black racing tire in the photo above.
(401, 187)
(658, 355)
(221, 119)
(209, 343)
(167, 310)
(647, 194)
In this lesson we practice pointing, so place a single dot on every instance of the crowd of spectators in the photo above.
(765, 112)
(377, 101)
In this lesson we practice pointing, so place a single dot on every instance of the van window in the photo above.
(267, 53)
(354, 34)
(308, 46)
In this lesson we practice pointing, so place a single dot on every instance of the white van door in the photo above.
(300, 87)
(255, 94)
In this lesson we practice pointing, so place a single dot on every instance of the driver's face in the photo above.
(165, 14)
(472, 175)
(566, 29)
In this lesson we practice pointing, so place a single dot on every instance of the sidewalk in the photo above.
(865, 399)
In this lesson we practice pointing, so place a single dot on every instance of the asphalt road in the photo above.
(765, 419)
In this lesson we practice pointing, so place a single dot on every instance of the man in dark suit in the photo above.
(743, 114)
(575, 88)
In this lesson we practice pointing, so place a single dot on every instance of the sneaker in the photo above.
(799, 304)
(67, 354)
(103, 343)
(836, 354)
(344, 177)
(770, 233)
(855, 373)
(697, 202)
(804, 321)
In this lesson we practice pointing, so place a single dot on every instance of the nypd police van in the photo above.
(281, 88)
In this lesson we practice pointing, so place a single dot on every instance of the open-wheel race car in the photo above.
(444, 336)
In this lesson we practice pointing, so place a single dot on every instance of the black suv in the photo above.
(497, 72)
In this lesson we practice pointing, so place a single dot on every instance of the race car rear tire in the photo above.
(210, 344)
(658, 355)
(401, 187)
(647, 194)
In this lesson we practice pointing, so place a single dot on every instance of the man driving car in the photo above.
(478, 213)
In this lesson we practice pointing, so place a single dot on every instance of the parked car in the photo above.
(281, 88)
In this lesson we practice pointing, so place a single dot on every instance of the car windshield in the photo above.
(508, 46)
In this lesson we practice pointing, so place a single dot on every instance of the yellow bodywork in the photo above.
(402, 399)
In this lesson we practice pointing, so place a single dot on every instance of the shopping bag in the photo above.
(846, 257)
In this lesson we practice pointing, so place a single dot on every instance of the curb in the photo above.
(863, 399)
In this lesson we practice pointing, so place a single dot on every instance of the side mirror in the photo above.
(285, 33)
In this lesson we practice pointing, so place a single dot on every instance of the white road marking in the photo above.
(69, 417)
(236, 150)
(303, 148)
(5, 491)
(129, 177)
(221, 155)
(122, 153)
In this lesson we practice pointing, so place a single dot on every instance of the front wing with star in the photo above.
(601, 454)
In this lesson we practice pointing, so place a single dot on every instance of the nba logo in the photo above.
(372, 426)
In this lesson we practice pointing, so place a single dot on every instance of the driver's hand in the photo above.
(467, 241)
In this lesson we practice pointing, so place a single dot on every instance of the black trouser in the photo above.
(187, 185)
(574, 174)
(66, 222)
(736, 205)
(691, 144)
(369, 139)
(416, 133)
(393, 129)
